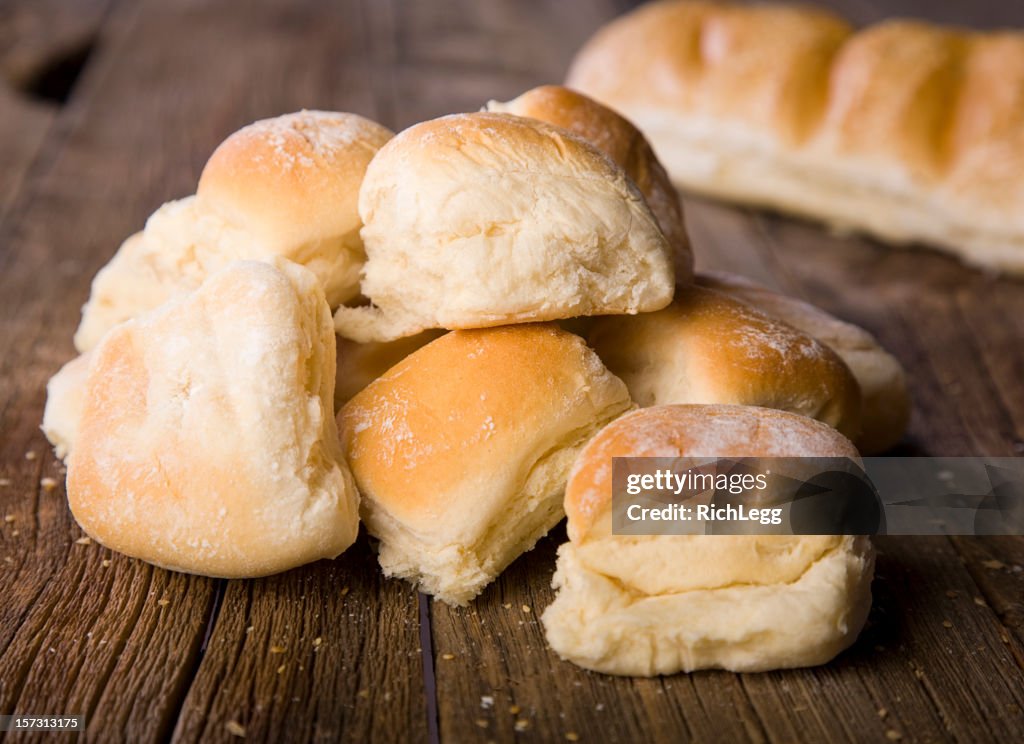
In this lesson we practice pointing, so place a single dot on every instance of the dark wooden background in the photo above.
(110, 107)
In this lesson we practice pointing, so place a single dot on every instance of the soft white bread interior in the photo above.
(660, 604)
(478, 220)
(707, 347)
(462, 450)
(65, 396)
(885, 400)
(207, 441)
(617, 138)
(905, 130)
(285, 187)
(128, 285)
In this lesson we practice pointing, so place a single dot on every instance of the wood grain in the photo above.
(497, 680)
(327, 652)
(23, 127)
(34, 34)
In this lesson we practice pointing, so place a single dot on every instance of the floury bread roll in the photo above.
(660, 604)
(623, 143)
(707, 347)
(65, 396)
(479, 220)
(905, 130)
(207, 441)
(285, 187)
(361, 364)
(462, 450)
(885, 401)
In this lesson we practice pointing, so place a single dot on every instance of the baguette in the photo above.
(904, 130)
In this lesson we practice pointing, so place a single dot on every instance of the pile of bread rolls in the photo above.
(509, 287)
(905, 130)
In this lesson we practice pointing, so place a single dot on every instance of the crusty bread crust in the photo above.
(707, 347)
(885, 400)
(616, 137)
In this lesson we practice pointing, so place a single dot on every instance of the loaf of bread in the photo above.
(285, 187)
(617, 138)
(660, 604)
(905, 130)
(479, 220)
(707, 347)
(65, 395)
(462, 450)
(207, 441)
(885, 401)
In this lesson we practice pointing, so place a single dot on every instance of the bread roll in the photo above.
(207, 441)
(65, 396)
(462, 450)
(905, 130)
(617, 138)
(885, 401)
(709, 348)
(660, 604)
(480, 220)
(361, 364)
(286, 186)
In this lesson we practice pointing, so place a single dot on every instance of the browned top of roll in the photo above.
(618, 138)
(690, 431)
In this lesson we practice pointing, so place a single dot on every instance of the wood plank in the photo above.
(721, 242)
(71, 625)
(497, 678)
(23, 126)
(997, 566)
(457, 55)
(326, 652)
(37, 38)
(931, 658)
(118, 152)
(931, 682)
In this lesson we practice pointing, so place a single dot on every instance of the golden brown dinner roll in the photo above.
(479, 220)
(661, 604)
(462, 449)
(361, 364)
(65, 396)
(709, 348)
(622, 142)
(207, 441)
(286, 186)
(906, 130)
(883, 385)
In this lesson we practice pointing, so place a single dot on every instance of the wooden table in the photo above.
(110, 107)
